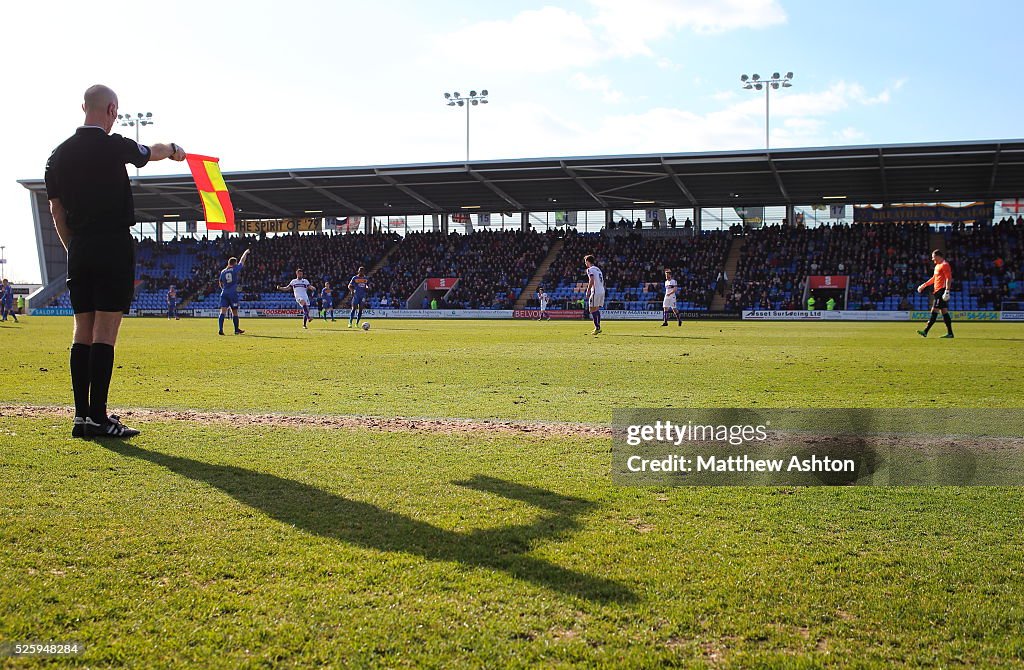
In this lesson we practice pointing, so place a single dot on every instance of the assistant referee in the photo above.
(93, 210)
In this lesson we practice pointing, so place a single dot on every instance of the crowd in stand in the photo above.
(272, 262)
(490, 265)
(991, 258)
(881, 259)
(636, 264)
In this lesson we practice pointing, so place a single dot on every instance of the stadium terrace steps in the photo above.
(346, 300)
(731, 261)
(531, 287)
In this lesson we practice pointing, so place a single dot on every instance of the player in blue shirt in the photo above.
(358, 285)
(172, 303)
(326, 301)
(7, 301)
(228, 281)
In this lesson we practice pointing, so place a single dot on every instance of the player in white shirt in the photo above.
(595, 291)
(542, 298)
(669, 304)
(300, 287)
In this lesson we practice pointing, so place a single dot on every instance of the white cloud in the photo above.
(803, 119)
(541, 40)
(552, 38)
(602, 85)
(849, 134)
(630, 25)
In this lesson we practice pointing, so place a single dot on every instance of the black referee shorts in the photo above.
(101, 272)
(938, 302)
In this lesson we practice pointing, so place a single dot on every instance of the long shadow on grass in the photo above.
(329, 515)
(666, 336)
(272, 337)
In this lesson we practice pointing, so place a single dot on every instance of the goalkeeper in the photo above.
(942, 282)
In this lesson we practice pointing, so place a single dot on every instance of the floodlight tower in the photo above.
(137, 121)
(472, 100)
(755, 82)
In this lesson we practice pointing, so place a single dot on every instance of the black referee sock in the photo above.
(101, 367)
(80, 377)
(949, 323)
(931, 321)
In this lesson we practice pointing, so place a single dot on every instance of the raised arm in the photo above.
(245, 255)
(158, 152)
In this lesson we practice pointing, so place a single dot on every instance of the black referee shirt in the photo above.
(86, 172)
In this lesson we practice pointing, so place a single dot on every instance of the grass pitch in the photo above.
(261, 546)
(526, 370)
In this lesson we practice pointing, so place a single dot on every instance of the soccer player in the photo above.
(326, 301)
(300, 289)
(358, 285)
(93, 211)
(942, 282)
(172, 303)
(595, 291)
(542, 298)
(669, 303)
(228, 280)
(7, 301)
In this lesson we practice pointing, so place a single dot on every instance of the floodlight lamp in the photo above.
(787, 84)
(483, 92)
(484, 101)
(744, 78)
(759, 86)
(456, 95)
(476, 102)
(462, 103)
(775, 85)
(756, 77)
(472, 94)
(747, 86)
(775, 75)
(149, 114)
(451, 104)
(447, 95)
(789, 75)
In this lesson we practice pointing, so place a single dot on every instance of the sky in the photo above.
(268, 85)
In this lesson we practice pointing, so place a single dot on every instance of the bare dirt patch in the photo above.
(372, 423)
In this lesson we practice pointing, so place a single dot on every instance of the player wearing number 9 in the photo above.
(228, 281)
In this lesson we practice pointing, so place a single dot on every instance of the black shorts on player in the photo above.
(101, 272)
(938, 302)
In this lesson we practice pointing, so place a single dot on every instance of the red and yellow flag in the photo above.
(220, 215)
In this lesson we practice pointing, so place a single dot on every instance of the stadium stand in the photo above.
(885, 262)
(493, 266)
(989, 262)
(633, 265)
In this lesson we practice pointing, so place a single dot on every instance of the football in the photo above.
(366, 325)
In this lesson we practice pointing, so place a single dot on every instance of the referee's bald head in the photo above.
(100, 106)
